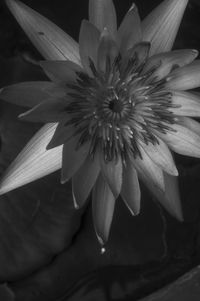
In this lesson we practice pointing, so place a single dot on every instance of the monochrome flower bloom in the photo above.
(115, 108)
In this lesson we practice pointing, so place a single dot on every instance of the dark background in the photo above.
(49, 250)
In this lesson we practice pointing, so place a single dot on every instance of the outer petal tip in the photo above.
(102, 13)
(52, 42)
(4, 188)
(162, 24)
(63, 181)
(22, 116)
(135, 212)
(195, 51)
(180, 217)
(133, 6)
(103, 204)
(129, 31)
(105, 32)
(177, 212)
(175, 172)
(76, 206)
(101, 240)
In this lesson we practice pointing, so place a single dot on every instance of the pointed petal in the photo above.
(112, 172)
(161, 155)
(102, 14)
(160, 27)
(61, 71)
(149, 169)
(48, 111)
(167, 61)
(182, 140)
(30, 94)
(51, 41)
(72, 158)
(170, 199)
(186, 104)
(88, 41)
(84, 180)
(131, 189)
(191, 124)
(139, 53)
(129, 32)
(103, 203)
(62, 134)
(107, 51)
(185, 78)
(33, 162)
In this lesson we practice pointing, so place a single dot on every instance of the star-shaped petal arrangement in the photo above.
(115, 107)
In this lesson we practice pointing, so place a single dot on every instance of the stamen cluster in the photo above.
(118, 108)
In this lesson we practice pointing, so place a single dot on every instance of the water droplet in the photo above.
(103, 250)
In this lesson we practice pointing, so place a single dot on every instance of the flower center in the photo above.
(112, 106)
(115, 105)
(116, 110)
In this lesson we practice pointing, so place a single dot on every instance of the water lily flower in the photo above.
(115, 108)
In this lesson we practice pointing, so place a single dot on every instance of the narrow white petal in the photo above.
(170, 198)
(191, 124)
(161, 155)
(72, 158)
(131, 189)
(61, 71)
(102, 14)
(107, 49)
(167, 60)
(182, 140)
(84, 180)
(103, 204)
(48, 111)
(185, 78)
(34, 161)
(187, 104)
(112, 172)
(30, 94)
(160, 27)
(129, 32)
(88, 41)
(148, 169)
(52, 42)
